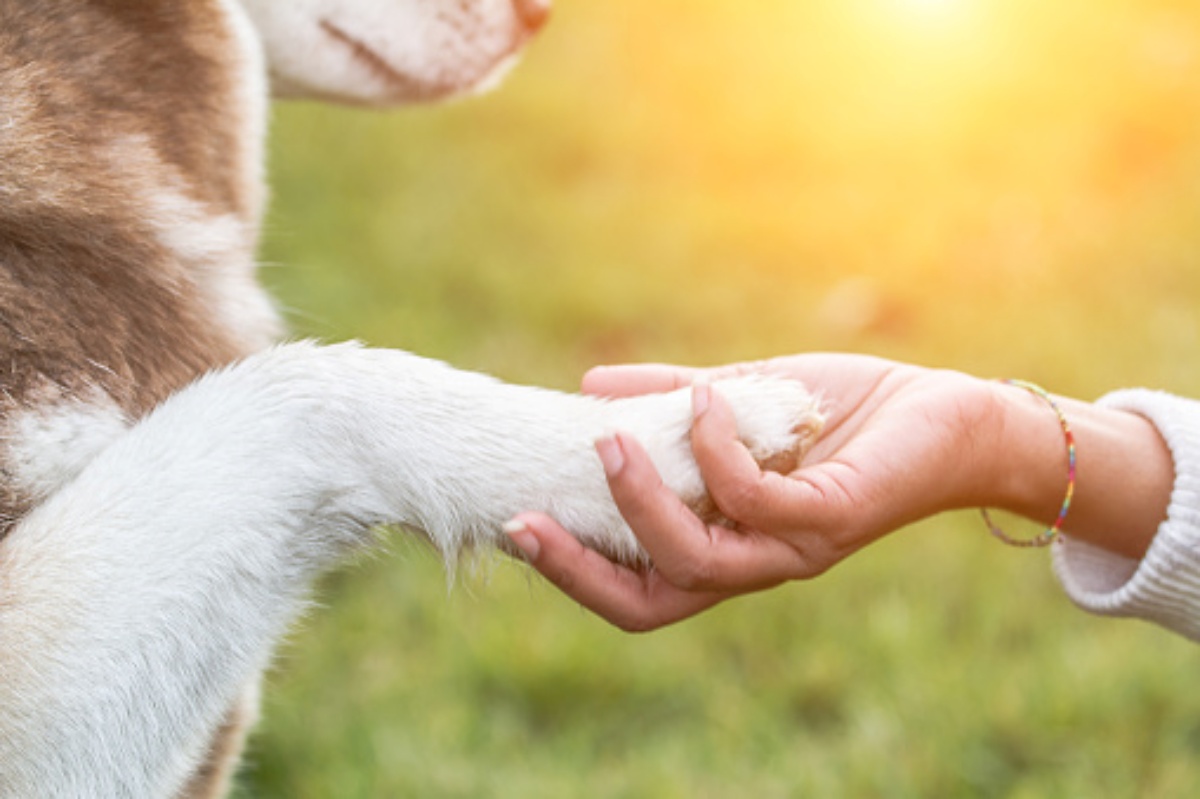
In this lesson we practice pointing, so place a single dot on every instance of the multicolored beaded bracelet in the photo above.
(1051, 532)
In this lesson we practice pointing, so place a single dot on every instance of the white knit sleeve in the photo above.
(1163, 587)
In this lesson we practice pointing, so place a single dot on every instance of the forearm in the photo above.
(1124, 478)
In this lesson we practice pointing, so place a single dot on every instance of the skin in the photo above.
(901, 443)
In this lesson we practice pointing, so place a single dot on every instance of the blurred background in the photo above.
(1007, 187)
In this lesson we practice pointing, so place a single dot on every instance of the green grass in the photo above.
(1010, 189)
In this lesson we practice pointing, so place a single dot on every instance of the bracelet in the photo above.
(1048, 535)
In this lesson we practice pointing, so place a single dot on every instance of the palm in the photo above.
(892, 448)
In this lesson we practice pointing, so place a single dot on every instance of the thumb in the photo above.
(635, 379)
(766, 501)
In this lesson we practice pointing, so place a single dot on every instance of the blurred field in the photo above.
(1008, 188)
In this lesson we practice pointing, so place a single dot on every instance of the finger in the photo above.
(651, 378)
(688, 553)
(635, 379)
(764, 501)
(631, 600)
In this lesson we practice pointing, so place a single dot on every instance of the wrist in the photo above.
(1030, 460)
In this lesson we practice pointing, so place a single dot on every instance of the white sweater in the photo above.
(1164, 586)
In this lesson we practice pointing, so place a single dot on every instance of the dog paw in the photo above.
(778, 421)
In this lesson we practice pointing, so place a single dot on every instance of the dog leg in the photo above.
(139, 600)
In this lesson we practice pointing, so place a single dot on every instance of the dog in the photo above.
(172, 477)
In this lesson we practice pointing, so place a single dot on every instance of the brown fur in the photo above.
(88, 295)
(214, 775)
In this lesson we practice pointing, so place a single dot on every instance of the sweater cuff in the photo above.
(1163, 587)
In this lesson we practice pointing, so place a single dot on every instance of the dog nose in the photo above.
(533, 13)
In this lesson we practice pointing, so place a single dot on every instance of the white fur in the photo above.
(48, 445)
(434, 49)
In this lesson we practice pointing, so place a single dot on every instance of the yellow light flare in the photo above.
(929, 8)
(931, 13)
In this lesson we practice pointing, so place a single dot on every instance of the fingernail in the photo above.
(701, 397)
(611, 455)
(518, 532)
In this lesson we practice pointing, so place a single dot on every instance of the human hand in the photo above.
(900, 443)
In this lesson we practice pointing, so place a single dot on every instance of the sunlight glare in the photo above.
(927, 8)
(931, 14)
